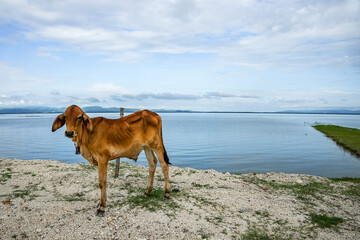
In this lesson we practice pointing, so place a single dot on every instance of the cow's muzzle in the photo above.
(69, 134)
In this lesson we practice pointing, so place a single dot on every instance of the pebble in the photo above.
(245, 209)
(127, 175)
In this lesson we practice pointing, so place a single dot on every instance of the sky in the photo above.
(207, 55)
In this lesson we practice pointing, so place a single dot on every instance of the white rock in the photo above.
(127, 175)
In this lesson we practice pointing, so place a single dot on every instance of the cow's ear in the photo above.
(58, 123)
(88, 122)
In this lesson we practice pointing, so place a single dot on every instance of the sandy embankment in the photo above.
(54, 200)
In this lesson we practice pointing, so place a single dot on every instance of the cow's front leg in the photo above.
(103, 165)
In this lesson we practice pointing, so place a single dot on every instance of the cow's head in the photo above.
(75, 119)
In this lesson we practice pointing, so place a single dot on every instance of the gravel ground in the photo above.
(45, 199)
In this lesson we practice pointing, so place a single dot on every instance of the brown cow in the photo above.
(101, 140)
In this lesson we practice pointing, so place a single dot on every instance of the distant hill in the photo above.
(328, 111)
(38, 109)
(98, 109)
(90, 109)
(43, 109)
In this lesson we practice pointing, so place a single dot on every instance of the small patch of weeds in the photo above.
(346, 179)
(4, 177)
(204, 235)
(352, 191)
(301, 191)
(88, 167)
(254, 234)
(21, 193)
(200, 185)
(176, 174)
(203, 201)
(26, 194)
(138, 175)
(324, 221)
(75, 197)
(160, 178)
(23, 235)
(214, 220)
(281, 222)
(154, 202)
(262, 213)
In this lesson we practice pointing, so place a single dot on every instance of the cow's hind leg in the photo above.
(165, 168)
(152, 167)
(103, 165)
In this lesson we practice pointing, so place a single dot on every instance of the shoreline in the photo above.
(55, 200)
(144, 164)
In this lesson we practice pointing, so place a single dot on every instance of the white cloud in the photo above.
(48, 52)
(247, 33)
(338, 92)
(105, 87)
(17, 100)
(16, 79)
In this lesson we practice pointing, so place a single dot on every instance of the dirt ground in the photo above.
(45, 199)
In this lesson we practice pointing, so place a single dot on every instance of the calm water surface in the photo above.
(236, 143)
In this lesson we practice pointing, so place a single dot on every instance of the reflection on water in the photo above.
(236, 143)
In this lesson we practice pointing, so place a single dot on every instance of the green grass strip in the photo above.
(348, 138)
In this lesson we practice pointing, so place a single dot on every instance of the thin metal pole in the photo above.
(117, 167)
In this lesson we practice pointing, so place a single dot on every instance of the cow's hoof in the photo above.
(167, 196)
(100, 213)
(146, 194)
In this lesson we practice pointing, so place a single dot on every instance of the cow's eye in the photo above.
(80, 118)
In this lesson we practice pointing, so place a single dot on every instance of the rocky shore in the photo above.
(45, 199)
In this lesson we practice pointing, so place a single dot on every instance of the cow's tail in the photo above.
(166, 158)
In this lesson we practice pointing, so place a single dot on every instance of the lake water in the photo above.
(231, 142)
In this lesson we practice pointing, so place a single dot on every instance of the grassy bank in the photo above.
(348, 138)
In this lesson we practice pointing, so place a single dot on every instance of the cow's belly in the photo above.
(131, 152)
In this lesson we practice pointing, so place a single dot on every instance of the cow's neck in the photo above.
(82, 137)
(82, 143)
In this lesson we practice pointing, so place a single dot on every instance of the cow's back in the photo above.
(142, 128)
